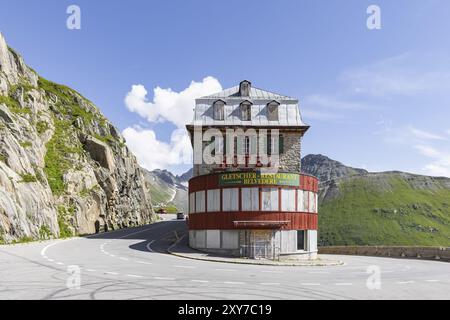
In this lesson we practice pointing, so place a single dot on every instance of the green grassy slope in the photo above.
(390, 210)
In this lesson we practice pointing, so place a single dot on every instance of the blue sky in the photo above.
(378, 99)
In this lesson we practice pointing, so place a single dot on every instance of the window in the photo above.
(272, 111)
(246, 111)
(246, 145)
(250, 199)
(288, 199)
(230, 198)
(312, 202)
(219, 110)
(192, 202)
(301, 240)
(302, 200)
(269, 199)
(200, 201)
(274, 145)
(213, 200)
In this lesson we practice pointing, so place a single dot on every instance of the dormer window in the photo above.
(244, 88)
(219, 110)
(272, 111)
(246, 111)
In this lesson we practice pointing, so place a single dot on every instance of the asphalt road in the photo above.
(133, 264)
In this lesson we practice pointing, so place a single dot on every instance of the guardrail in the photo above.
(426, 253)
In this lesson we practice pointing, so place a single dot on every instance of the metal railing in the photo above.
(260, 251)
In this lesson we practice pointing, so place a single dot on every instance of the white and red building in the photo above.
(248, 196)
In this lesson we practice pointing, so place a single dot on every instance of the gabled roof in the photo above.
(255, 93)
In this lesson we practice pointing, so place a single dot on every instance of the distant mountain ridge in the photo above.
(386, 208)
(358, 207)
(168, 191)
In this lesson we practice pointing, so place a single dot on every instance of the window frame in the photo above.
(271, 115)
(219, 114)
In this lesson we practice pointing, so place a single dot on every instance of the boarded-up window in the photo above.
(250, 199)
(246, 111)
(214, 200)
(192, 202)
(218, 110)
(312, 202)
(269, 199)
(287, 199)
(272, 111)
(302, 198)
(230, 199)
(200, 201)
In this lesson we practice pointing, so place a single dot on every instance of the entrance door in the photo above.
(301, 240)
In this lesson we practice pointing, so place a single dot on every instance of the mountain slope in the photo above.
(167, 190)
(388, 208)
(64, 168)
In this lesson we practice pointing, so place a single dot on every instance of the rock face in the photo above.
(64, 168)
(327, 169)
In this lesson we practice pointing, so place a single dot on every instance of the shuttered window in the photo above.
(213, 200)
(288, 200)
(250, 199)
(192, 202)
(230, 198)
(200, 201)
(302, 200)
(269, 199)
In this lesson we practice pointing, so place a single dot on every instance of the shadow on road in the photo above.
(157, 237)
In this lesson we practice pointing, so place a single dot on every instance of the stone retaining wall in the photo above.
(426, 253)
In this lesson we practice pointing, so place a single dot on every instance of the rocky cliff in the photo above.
(64, 168)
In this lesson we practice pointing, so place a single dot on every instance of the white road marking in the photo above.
(319, 272)
(343, 284)
(233, 282)
(404, 282)
(271, 271)
(163, 278)
(111, 273)
(270, 283)
(200, 281)
(134, 276)
(310, 284)
(224, 269)
(143, 262)
(91, 270)
(149, 244)
(112, 256)
(432, 280)
(51, 260)
(186, 267)
(59, 263)
(124, 259)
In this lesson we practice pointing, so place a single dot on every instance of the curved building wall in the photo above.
(225, 215)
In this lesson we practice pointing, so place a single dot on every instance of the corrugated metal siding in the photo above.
(225, 220)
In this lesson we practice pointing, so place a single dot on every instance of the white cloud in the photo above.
(424, 135)
(440, 166)
(168, 105)
(407, 74)
(152, 153)
(332, 102)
